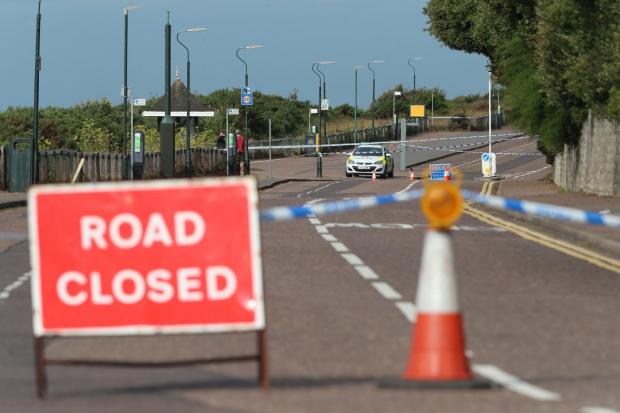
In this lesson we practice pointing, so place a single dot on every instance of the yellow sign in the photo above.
(416, 111)
(442, 204)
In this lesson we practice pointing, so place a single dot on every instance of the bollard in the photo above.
(319, 165)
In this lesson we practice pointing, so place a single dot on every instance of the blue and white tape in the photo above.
(511, 136)
(539, 209)
(303, 211)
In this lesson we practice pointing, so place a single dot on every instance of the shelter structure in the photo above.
(178, 110)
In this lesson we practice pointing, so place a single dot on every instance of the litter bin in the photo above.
(19, 159)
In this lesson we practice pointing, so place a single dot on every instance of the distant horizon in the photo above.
(82, 56)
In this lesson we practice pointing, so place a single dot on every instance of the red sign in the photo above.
(143, 258)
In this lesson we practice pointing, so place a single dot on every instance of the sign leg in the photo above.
(263, 361)
(40, 372)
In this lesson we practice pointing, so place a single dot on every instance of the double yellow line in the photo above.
(584, 254)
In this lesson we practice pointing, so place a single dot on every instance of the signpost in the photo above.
(230, 146)
(146, 258)
(313, 111)
(488, 164)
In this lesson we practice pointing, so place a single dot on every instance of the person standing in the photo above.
(221, 141)
(240, 151)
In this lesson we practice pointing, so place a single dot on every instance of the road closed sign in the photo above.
(143, 258)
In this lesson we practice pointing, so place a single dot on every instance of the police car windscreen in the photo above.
(367, 151)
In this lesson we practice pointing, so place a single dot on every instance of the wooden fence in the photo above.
(60, 165)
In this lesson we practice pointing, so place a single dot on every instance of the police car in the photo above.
(368, 158)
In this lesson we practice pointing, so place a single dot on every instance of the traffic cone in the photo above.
(447, 175)
(437, 357)
(411, 175)
(374, 177)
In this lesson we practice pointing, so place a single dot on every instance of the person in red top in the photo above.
(240, 151)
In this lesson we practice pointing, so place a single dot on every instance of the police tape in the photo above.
(304, 211)
(539, 209)
(392, 142)
(449, 148)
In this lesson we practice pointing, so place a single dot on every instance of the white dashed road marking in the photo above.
(514, 383)
(352, 259)
(408, 309)
(366, 272)
(339, 247)
(407, 188)
(316, 190)
(386, 290)
(321, 229)
(6, 292)
(593, 409)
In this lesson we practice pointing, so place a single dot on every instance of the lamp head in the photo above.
(127, 9)
(254, 46)
(195, 29)
(326, 62)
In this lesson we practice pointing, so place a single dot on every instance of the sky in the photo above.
(82, 48)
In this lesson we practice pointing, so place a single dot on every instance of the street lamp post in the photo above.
(356, 67)
(324, 94)
(415, 100)
(246, 157)
(490, 103)
(126, 11)
(373, 95)
(188, 153)
(314, 67)
(35, 113)
(396, 93)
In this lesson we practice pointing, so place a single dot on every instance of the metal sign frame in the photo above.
(41, 334)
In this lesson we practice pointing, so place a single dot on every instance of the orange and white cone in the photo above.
(437, 357)
(411, 175)
(447, 175)
(374, 177)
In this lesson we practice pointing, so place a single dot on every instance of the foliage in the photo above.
(556, 58)
(92, 138)
(479, 26)
(97, 126)
(385, 103)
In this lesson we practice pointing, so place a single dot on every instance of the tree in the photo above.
(92, 138)
(556, 58)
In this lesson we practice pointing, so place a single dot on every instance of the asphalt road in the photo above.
(340, 304)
